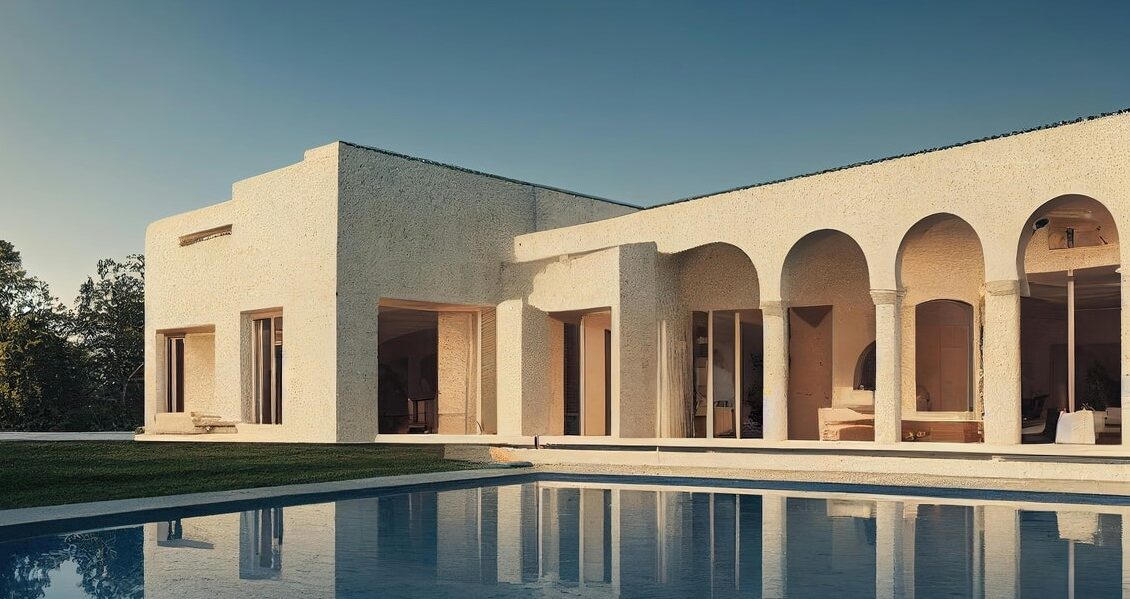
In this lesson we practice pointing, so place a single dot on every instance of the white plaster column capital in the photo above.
(884, 297)
(1003, 287)
(775, 308)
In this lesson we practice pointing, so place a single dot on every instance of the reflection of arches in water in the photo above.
(865, 369)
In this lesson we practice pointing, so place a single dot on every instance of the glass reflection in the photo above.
(592, 540)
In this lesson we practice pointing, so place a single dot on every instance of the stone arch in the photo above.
(716, 276)
(1071, 241)
(941, 259)
(831, 318)
(715, 289)
(1050, 219)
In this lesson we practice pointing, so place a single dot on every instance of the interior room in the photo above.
(728, 369)
(941, 323)
(407, 360)
(831, 328)
(585, 380)
(720, 358)
(1071, 319)
(432, 363)
(187, 372)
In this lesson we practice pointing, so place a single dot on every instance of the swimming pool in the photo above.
(538, 536)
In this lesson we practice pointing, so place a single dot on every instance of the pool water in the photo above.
(592, 539)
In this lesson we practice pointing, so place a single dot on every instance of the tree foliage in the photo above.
(109, 326)
(74, 369)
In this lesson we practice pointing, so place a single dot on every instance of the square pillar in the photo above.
(1124, 352)
(888, 365)
(774, 545)
(634, 358)
(775, 410)
(890, 551)
(1001, 356)
(458, 386)
(1002, 551)
(523, 378)
(1126, 552)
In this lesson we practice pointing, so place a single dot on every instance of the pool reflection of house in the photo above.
(643, 541)
(957, 295)
(243, 554)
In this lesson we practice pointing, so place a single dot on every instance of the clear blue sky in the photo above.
(115, 114)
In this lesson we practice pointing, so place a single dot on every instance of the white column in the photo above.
(774, 544)
(889, 565)
(508, 534)
(1126, 550)
(1001, 355)
(1002, 551)
(775, 404)
(1125, 352)
(888, 365)
(616, 521)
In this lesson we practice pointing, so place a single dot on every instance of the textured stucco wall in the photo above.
(415, 230)
(827, 268)
(995, 186)
(622, 279)
(716, 277)
(939, 240)
(325, 239)
(199, 373)
(458, 386)
(280, 254)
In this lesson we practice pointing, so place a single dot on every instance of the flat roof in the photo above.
(491, 175)
(753, 185)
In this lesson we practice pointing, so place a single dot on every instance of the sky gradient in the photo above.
(115, 114)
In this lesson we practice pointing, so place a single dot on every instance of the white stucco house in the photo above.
(961, 295)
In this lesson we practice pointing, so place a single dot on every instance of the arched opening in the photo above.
(1070, 340)
(713, 368)
(943, 356)
(865, 370)
(831, 315)
(941, 271)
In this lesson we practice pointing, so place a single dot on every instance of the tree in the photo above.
(41, 377)
(40, 370)
(108, 324)
(19, 292)
(74, 369)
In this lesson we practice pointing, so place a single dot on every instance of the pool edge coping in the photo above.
(18, 519)
(40, 520)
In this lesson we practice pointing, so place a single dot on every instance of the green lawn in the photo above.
(50, 473)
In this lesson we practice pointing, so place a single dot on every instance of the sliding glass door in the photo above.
(267, 363)
(174, 374)
(727, 374)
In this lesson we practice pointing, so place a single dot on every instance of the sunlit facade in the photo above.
(967, 295)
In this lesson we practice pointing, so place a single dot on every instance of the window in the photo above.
(267, 365)
(727, 373)
(205, 235)
(174, 374)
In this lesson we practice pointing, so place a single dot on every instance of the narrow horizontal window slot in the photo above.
(205, 235)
